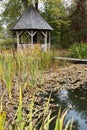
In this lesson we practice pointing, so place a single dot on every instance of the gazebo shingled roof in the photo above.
(31, 19)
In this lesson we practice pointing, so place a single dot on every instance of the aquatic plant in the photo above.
(45, 120)
(60, 121)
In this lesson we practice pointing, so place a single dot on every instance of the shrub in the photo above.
(78, 50)
(6, 44)
(46, 59)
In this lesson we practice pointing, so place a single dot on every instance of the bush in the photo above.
(46, 60)
(78, 50)
(6, 44)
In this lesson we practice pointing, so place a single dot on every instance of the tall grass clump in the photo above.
(46, 60)
(78, 50)
(60, 121)
(44, 116)
(6, 72)
(24, 68)
(5, 44)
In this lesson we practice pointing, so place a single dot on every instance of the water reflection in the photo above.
(77, 99)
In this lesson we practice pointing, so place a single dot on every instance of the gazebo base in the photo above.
(41, 47)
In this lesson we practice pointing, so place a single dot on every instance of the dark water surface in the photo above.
(77, 100)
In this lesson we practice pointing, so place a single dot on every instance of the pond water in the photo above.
(77, 100)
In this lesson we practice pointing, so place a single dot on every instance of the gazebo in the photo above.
(33, 23)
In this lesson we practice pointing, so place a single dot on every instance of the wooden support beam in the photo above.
(43, 33)
(31, 37)
(49, 40)
(21, 33)
(31, 34)
(46, 41)
(34, 33)
(18, 40)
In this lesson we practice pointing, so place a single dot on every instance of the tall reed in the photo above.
(45, 115)
(24, 70)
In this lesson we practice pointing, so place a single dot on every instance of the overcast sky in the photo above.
(1, 9)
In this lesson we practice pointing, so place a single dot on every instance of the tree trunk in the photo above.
(36, 4)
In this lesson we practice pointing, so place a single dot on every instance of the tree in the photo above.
(1, 29)
(14, 8)
(53, 11)
(56, 14)
(78, 16)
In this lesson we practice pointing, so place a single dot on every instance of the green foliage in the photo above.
(69, 24)
(47, 59)
(78, 16)
(78, 50)
(6, 44)
(12, 10)
(53, 11)
(56, 15)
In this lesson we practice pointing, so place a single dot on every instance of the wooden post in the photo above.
(18, 40)
(46, 41)
(49, 40)
(32, 34)
(20, 34)
(13, 46)
(31, 37)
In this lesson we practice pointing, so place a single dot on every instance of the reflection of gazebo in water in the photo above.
(38, 30)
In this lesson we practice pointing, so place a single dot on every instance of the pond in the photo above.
(77, 100)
